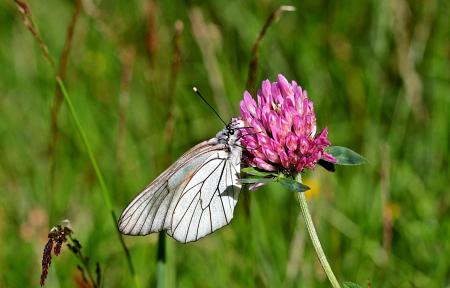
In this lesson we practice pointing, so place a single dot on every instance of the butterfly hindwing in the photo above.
(207, 202)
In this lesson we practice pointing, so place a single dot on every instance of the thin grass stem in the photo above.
(58, 98)
(104, 189)
(29, 23)
(254, 55)
(161, 259)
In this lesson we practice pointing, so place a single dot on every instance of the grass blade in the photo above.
(104, 189)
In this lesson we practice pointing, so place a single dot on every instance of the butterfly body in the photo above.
(195, 196)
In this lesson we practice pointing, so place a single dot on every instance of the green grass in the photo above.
(345, 54)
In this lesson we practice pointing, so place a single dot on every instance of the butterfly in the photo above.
(195, 196)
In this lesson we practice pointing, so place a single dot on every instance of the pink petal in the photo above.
(249, 142)
(257, 126)
(285, 128)
(291, 141)
(275, 130)
(288, 113)
(322, 138)
(304, 145)
(298, 125)
(293, 158)
(249, 104)
(261, 100)
(271, 155)
(258, 153)
(284, 159)
(245, 115)
(276, 146)
(267, 90)
(263, 140)
(260, 163)
(284, 86)
(276, 94)
(255, 186)
(328, 157)
(298, 95)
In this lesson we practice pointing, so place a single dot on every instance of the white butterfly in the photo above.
(195, 196)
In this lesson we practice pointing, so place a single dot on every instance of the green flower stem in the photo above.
(104, 189)
(315, 240)
(161, 261)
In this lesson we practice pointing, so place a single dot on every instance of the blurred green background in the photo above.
(377, 71)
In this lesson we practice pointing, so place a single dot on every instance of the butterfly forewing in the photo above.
(149, 211)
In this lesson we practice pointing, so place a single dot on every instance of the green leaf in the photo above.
(256, 172)
(257, 180)
(345, 156)
(350, 285)
(327, 165)
(293, 185)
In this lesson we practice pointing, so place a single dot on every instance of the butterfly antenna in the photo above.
(204, 100)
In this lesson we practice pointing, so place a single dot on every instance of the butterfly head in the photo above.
(230, 134)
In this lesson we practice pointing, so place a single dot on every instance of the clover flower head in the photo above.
(282, 129)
